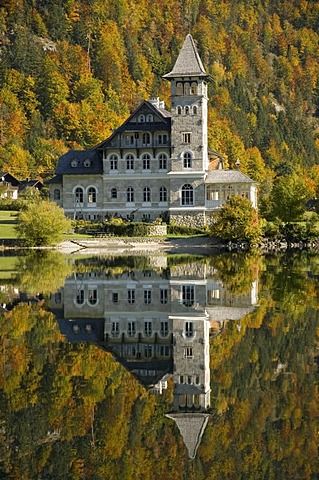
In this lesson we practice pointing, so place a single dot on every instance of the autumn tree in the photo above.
(237, 220)
(42, 223)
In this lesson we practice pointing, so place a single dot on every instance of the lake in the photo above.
(159, 367)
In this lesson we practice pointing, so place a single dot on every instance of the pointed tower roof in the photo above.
(188, 63)
(191, 427)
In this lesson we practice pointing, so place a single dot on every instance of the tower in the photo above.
(189, 110)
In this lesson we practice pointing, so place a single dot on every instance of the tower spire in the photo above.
(188, 62)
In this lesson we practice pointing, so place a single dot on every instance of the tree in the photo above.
(237, 220)
(42, 223)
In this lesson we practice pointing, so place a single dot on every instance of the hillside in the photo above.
(71, 71)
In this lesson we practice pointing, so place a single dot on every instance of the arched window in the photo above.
(186, 110)
(80, 297)
(130, 194)
(187, 89)
(113, 161)
(79, 195)
(57, 194)
(195, 110)
(179, 89)
(179, 110)
(92, 195)
(149, 118)
(113, 192)
(146, 139)
(163, 194)
(193, 90)
(130, 162)
(146, 194)
(189, 329)
(187, 160)
(187, 195)
(162, 161)
(141, 118)
(146, 161)
(92, 296)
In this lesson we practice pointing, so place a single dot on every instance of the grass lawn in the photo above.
(7, 223)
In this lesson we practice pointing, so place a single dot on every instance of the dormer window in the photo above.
(87, 163)
(149, 118)
(74, 163)
(141, 118)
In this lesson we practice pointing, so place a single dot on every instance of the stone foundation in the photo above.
(196, 220)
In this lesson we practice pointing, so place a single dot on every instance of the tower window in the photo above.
(113, 192)
(188, 295)
(193, 90)
(179, 110)
(186, 137)
(195, 110)
(188, 352)
(187, 160)
(179, 89)
(186, 110)
(189, 329)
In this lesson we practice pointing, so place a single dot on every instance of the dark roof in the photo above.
(55, 179)
(128, 125)
(188, 63)
(30, 184)
(80, 162)
(9, 178)
(227, 176)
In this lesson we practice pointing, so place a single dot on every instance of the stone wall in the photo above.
(196, 220)
(157, 230)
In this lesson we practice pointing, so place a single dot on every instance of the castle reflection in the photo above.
(156, 320)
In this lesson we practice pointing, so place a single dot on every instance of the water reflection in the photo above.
(69, 411)
(156, 320)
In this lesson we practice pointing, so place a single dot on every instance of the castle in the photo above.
(157, 164)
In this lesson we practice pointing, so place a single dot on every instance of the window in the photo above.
(163, 194)
(186, 137)
(130, 162)
(188, 352)
(164, 351)
(195, 110)
(187, 195)
(148, 329)
(187, 89)
(187, 160)
(186, 110)
(212, 193)
(92, 297)
(179, 110)
(113, 192)
(91, 195)
(74, 163)
(189, 329)
(146, 194)
(179, 89)
(115, 297)
(162, 161)
(113, 162)
(163, 295)
(162, 139)
(149, 118)
(130, 139)
(146, 217)
(80, 297)
(115, 329)
(131, 296)
(57, 194)
(148, 352)
(146, 162)
(87, 163)
(79, 195)
(58, 297)
(193, 90)
(188, 295)
(146, 139)
(147, 296)
(131, 329)
(141, 118)
(130, 194)
(164, 329)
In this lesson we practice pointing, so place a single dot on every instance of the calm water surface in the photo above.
(161, 367)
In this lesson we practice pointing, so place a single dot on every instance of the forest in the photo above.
(71, 71)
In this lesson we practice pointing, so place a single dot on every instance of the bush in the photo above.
(42, 223)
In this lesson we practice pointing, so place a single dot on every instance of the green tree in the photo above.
(237, 220)
(289, 196)
(42, 223)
